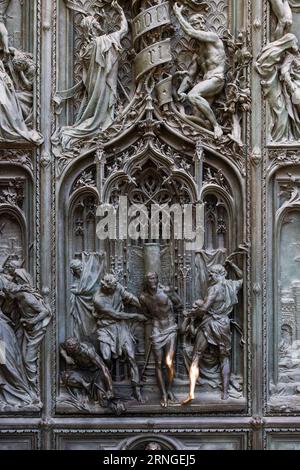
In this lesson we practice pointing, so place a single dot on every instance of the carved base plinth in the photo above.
(205, 402)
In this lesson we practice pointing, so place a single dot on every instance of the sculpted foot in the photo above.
(187, 400)
(164, 402)
(182, 97)
(138, 396)
(218, 132)
(117, 407)
(171, 398)
(225, 396)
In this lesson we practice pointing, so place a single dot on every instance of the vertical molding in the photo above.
(265, 180)
(245, 23)
(37, 116)
(53, 212)
(256, 203)
(45, 21)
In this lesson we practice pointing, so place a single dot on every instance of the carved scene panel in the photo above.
(24, 313)
(284, 382)
(184, 273)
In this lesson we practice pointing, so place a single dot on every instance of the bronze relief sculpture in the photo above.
(156, 304)
(214, 328)
(114, 335)
(145, 145)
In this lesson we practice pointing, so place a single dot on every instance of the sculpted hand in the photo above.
(182, 97)
(28, 325)
(186, 313)
(182, 73)
(228, 262)
(116, 6)
(139, 317)
(198, 304)
(178, 9)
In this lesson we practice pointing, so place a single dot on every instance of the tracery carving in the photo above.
(12, 192)
(18, 157)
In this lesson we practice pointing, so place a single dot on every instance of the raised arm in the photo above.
(124, 23)
(238, 272)
(174, 297)
(3, 6)
(203, 36)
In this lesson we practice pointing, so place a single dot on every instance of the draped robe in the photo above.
(97, 111)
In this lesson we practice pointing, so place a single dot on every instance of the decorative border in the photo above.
(276, 160)
(275, 157)
(38, 152)
(35, 436)
(265, 355)
(246, 195)
(242, 432)
(285, 431)
(249, 225)
(54, 215)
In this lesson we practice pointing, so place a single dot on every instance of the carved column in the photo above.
(152, 258)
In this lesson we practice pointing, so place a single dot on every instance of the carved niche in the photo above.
(284, 388)
(24, 312)
(278, 67)
(160, 142)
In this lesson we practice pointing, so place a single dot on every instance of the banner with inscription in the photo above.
(154, 17)
(153, 56)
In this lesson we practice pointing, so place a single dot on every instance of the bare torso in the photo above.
(159, 307)
(212, 59)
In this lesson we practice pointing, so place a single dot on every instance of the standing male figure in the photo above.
(211, 60)
(215, 326)
(115, 337)
(157, 304)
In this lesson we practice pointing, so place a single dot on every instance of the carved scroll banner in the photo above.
(154, 17)
(164, 91)
(153, 56)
